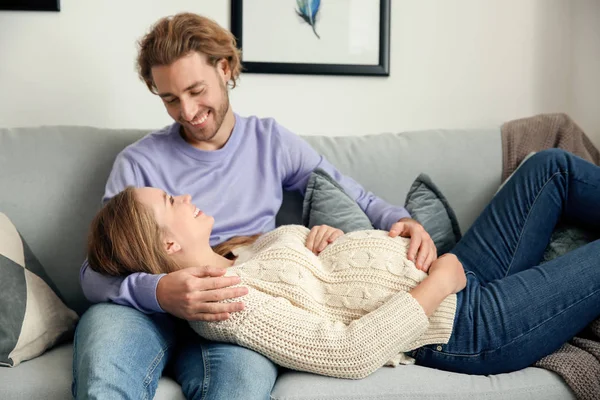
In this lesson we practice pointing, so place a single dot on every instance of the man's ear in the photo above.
(171, 247)
(224, 69)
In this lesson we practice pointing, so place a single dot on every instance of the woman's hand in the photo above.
(449, 270)
(421, 249)
(446, 276)
(320, 236)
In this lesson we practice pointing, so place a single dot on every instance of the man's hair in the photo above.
(124, 237)
(176, 36)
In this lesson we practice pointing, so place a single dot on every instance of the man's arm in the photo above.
(301, 160)
(136, 290)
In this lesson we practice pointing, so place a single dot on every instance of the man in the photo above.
(236, 169)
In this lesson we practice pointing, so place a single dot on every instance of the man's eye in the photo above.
(170, 101)
(197, 93)
(171, 199)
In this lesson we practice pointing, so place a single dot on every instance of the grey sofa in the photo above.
(52, 179)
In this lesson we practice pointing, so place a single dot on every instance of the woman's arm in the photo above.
(301, 340)
(446, 276)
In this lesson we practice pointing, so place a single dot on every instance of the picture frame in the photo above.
(30, 5)
(350, 45)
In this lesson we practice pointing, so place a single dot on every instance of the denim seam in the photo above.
(522, 334)
(153, 365)
(512, 258)
(207, 377)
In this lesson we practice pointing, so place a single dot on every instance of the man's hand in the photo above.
(194, 294)
(421, 250)
(320, 236)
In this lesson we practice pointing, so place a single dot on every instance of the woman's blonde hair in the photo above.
(176, 36)
(124, 238)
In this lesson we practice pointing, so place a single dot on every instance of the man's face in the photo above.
(195, 95)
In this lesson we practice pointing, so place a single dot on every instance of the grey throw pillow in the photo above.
(326, 203)
(429, 207)
(32, 316)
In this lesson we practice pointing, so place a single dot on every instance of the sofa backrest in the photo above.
(52, 180)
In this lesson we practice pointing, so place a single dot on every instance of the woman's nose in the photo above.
(184, 198)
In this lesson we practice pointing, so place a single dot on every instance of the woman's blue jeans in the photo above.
(120, 353)
(514, 310)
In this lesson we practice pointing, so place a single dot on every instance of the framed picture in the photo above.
(30, 5)
(322, 37)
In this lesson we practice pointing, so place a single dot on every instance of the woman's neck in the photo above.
(209, 258)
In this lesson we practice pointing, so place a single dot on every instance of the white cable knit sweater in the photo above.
(343, 313)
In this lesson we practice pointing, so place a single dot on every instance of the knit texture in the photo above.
(343, 313)
(545, 131)
(577, 362)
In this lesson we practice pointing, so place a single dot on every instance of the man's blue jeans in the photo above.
(120, 353)
(515, 311)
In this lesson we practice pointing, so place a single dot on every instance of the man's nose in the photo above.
(188, 110)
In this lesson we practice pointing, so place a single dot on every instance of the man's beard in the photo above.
(218, 115)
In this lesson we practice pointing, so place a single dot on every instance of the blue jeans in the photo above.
(120, 353)
(514, 310)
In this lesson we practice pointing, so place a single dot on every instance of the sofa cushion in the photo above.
(326, 203)
(426, 204)
(49, 377)
(413, 382)
(32, 317)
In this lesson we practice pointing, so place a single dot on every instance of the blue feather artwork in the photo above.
(308, 10)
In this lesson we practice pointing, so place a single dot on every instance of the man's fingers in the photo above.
(198, 307)
(208, 317)
(221, 294)
(214, 283)
(428, 261)
(336, 234)
(205, 271)
(310, 240)
(415, 243)
(321, 238)
(396, 229)
(423, 253)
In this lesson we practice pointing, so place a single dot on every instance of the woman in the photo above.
(486, 308)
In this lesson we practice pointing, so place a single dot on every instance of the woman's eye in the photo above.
(171, 199)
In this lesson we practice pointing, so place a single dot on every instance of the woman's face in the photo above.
(184, 226)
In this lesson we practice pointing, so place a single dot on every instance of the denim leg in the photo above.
(513, 231)
(214, 371)
(120, 353)
(510, 323)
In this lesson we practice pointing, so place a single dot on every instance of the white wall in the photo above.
(458, 63)
(585, 95)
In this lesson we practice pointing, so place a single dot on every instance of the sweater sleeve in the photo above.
(298, 339)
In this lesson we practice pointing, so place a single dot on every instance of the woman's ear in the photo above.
(171, 247)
